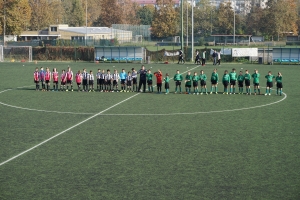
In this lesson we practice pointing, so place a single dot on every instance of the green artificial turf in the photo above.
(149, 146)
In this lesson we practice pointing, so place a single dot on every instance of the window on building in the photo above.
(53, 29)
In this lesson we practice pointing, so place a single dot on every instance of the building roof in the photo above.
(153, 2)
(91, 30)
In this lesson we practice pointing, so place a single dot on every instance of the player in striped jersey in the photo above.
(36, 79)
(55, 79)
(116, 78)
(84, 81)
(91, 81)
(134, 79)
(102, 80)
(48, 78)
(108, 79)
(69, 77)
(129, 82)
(42, 78)
(78, 78)
(98, 75)
(63, 80)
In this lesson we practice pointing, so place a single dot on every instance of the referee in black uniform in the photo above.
(142, 73)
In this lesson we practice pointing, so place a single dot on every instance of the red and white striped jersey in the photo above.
(55, 76)
(47, 76)
(36, 76)
(63, 77)
(78, 78)
(69, 75)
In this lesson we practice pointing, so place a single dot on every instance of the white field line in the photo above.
(22, 153)
(206, 112)
(45, 141)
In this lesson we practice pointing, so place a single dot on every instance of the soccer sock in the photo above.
(242, 90)
(249, 90)
(258, 90)
(233, 90)
(186, 89)
(211, 89)
(230, 89)
(254, 90)
(216, 89)
(71, 87)
(189, 90)
(151, 88)
(267, 90)
(180, 88)
(148, 88)
(270, 90)
(280, 92)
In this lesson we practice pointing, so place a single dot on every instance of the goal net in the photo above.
(17, 53)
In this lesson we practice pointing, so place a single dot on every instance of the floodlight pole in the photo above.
(85, 22)
(4, 22)
(192, 29)
(181, 16)
(234, 23)
(187, 23)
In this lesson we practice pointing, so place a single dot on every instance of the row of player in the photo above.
(107, 82)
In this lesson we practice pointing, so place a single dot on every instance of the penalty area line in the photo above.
(72, 127)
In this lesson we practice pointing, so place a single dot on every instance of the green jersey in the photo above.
(178, 77)
(278, 79)
(241, 78)
(202, 77)
(247, 77)
(195, 78)
(214, 77)
(167, 79)
(255, 77)
(226, 77)
(233, 76)
(149, 76)
(188, 79)
(269, 78)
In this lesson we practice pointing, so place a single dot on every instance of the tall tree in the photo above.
(17, 15)
(77, 14)
(145, 14)
(280, 18)
(165, 22)
(110, 13)
(224, 18)
(42, 15)
(204, 18)
(254, 19)
(128, 10)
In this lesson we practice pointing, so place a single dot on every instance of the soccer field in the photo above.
(80, 145)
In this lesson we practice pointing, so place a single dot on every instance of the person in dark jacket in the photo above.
(180, 57)
(142, 73)
(215, 56)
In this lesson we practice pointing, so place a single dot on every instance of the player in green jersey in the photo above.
(269, 78)
(214, 81)
(233, 78)
(188, 83)
(167, 80)
(178, 78)
(225, 81)
(247, 78)
(149, 76)
(241, 79)
(255, 77)
(195, 80)
(203, 78)
(279, 83)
